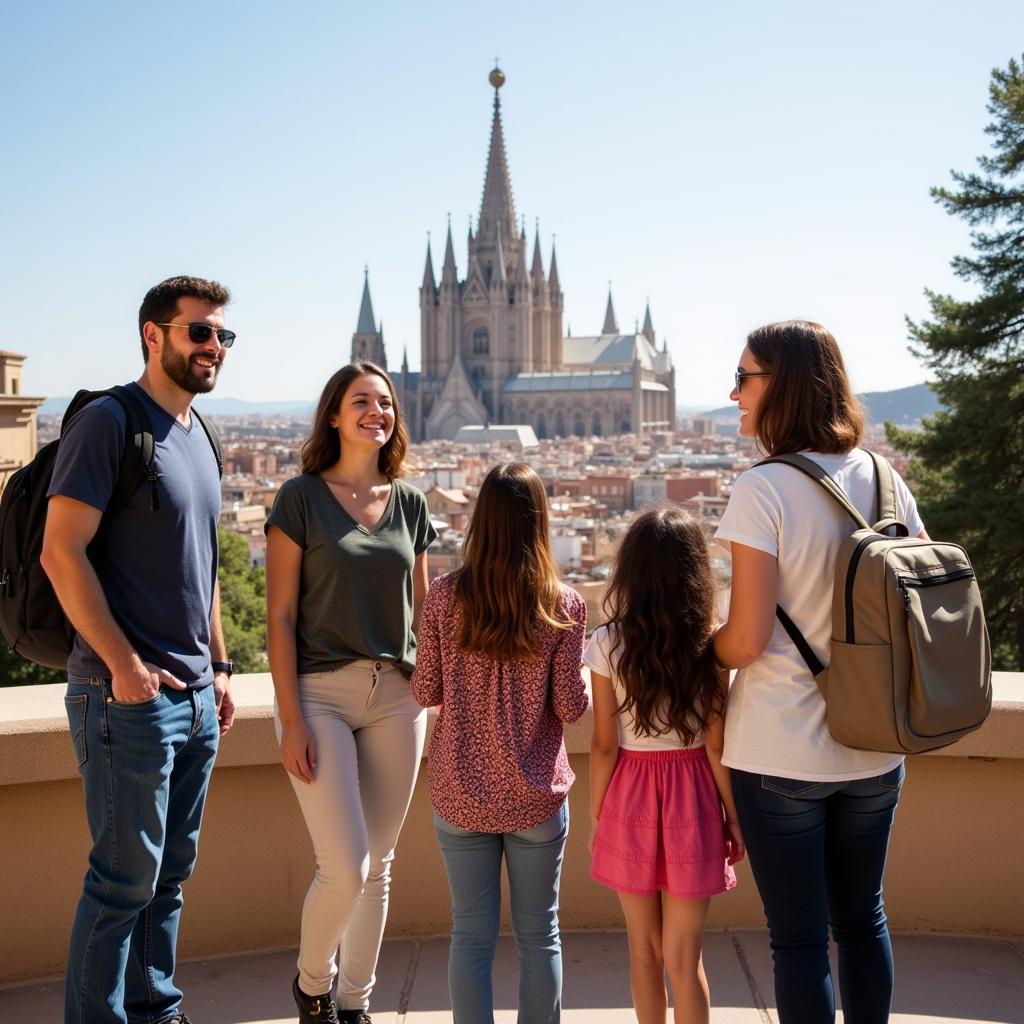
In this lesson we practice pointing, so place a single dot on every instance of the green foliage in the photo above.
(16, 671)
(242, 605)
(968, 462)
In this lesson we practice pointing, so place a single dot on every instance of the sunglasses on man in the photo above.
(199, 333)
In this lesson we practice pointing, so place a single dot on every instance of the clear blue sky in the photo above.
(737, 162)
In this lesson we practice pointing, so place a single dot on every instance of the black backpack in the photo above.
(31, 618)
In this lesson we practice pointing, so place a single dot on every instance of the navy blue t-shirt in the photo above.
(159, 568)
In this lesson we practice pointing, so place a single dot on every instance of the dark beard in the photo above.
(178, 368)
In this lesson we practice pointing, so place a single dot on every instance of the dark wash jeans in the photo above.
(817, 851)
(145, 769)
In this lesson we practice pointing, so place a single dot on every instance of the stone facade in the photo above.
(18, 424)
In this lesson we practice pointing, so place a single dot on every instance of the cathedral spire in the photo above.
(368, 341)
(537, 267)
(610, 324)
(648, 328)
(497, 206)
(448, 272)
(366, 324)
(428, 270)
(553, 276)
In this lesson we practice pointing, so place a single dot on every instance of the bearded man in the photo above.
(148, 675)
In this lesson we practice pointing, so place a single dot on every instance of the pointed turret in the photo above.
(449, 275)
(648, 328)
(498, 276)
(366, 324)
(537, 267)
(428, 271)
(497, 206)
(611, 326)
(519, 275)
(368, 341)
(405, 359)
(553, 276)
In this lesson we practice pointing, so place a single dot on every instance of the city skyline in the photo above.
(731, 167)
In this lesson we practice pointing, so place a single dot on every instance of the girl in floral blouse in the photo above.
(500, 648)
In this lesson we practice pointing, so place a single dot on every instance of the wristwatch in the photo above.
(223, 666)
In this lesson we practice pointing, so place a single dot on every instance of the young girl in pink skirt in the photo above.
(664, 830)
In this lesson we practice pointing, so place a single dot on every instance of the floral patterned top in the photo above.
(497, 756)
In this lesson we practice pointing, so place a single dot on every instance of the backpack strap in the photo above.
(139, 451)
(800, 642)
(213, 437)
(885, 494)
(810, 468)
(139, 445)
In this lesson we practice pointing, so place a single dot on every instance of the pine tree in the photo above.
(968, 462)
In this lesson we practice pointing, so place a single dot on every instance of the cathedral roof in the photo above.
(609, 349)
(580, 380)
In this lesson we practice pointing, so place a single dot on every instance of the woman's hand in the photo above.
(735, 848)
(298, 751)
(591, 837)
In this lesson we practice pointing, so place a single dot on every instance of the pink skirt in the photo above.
(661, 827)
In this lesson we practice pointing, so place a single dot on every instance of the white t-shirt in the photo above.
(775, 721)
(597, 656)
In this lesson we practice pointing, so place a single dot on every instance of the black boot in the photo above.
(314, 1009)
(354, 1017)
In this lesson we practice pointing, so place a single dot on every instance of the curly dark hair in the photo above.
(661, 616)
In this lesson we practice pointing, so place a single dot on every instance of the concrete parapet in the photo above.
(954, 863)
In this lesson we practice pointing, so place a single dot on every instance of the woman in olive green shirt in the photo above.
(346, 576)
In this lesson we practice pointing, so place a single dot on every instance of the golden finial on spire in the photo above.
(497, 76)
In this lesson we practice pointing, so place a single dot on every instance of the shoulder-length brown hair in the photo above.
(807, 404)
(660, 609)
(322, 447)
(507, 585)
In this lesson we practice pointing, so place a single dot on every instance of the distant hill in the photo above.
(904, 405)
(214, 407)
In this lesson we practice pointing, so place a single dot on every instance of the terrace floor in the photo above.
(938, 979)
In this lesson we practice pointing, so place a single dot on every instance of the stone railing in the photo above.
(954, 864)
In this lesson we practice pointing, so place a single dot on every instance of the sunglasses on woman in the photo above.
(199, 333)
(741, 375)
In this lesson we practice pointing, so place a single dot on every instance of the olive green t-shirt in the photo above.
(355, 589)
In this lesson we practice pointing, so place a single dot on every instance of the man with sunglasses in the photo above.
(148, 675)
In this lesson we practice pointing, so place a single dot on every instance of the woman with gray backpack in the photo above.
(816, 813)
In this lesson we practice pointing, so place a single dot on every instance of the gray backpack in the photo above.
(910, 668)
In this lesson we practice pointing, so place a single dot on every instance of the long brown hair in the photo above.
(507, 585)
(322, 447)
(808, 404)
(661, 615)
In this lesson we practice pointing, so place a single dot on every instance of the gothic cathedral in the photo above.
(492, 347)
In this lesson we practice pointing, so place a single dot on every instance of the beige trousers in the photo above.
(369, 735)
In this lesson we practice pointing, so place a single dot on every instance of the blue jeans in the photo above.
(472, 861)
(145, 769)
(817, 851)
